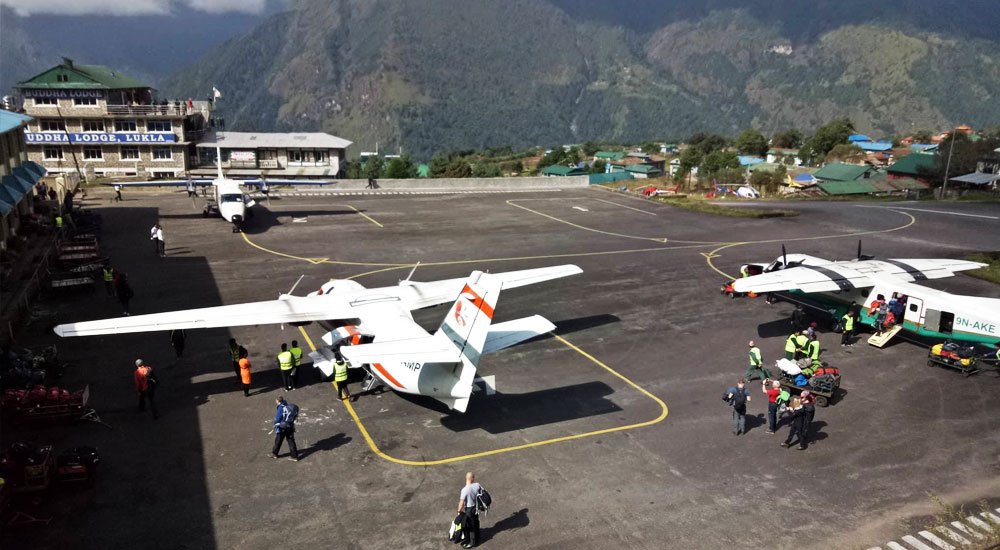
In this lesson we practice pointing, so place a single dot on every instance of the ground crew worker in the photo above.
(340, 378)
(744, 272)
(59, 224)
(848, 320)
(109, 280)
(801, 341)
(285, 363)
(790, 346)
(177, 340)
(813, 349)
(756, 363)
(234, 353)
(145, 384)
(245, 372)
(296, 361)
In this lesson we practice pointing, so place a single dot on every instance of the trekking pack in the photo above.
(827, 370)
(740, 400)
(483, 501)
(288, 419)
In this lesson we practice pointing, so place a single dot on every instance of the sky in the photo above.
(26, 8)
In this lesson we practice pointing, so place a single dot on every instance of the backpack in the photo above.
(740, 400)
(483, 501)
(288, 419)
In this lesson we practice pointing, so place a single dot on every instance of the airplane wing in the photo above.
(836, 276)
(420, 295)
(290, 309)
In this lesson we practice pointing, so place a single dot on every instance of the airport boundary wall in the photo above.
(464, 184)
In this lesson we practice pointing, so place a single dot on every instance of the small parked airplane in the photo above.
(830, 287)
(402, 354)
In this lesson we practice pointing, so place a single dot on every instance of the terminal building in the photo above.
(93, 121)
(301, 155)
(18, 175)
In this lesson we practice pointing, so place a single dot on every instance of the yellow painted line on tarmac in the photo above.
(366, 216)
(374, 446)
(315, 261)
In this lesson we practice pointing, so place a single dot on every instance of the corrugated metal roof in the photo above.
(81, 77)
(747, 160)
(273, 140)
(910, 165)
(642, 169)
(858, 137)
(847, 187)
(9, 120)
(977, 178)
(560, 170)
(874, 145)
(838, 171)
(615, 155)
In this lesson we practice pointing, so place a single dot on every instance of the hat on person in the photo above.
(138, 362)
(805, 393)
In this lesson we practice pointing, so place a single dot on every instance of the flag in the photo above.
(216, 94)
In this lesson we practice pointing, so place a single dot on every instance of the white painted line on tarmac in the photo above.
(953, 535)
(896, 546)
(980, 523)
(915, 542)
(936, 540)
(961, 527)
(581, 209)
(932, 211)
(991, 517)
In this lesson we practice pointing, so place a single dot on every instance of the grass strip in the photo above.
(992, 271)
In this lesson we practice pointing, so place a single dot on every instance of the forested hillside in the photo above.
(442, 74)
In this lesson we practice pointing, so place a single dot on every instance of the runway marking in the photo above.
(374, 446)
(314, 261)
(931, 211)
(581, 209)
(366, 216)
(629, 207)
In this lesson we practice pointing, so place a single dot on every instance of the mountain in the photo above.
(432, 75)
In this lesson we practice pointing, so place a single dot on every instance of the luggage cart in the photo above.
(63, 411)
(824, 395)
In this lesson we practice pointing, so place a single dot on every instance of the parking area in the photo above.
(608, 433)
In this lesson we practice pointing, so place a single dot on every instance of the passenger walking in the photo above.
(244, 363)
(124, 292)
(467, 505)
(802, 415)
(160, 244)
(848, 323)
(145, 386)
(189, 187)
(296, 361)
(285, 364)
(756, 363)
(234, 353)
(118, 192)
(340, 377)
(177, 341)
(152, 237)
(737, 398)
(772, 389)
(284, 428)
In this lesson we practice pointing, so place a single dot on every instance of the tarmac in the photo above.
(611, 432)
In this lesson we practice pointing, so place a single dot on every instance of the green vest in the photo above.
(285, 360)
(802, 341)
(58, 221)
(235, 352)
(340, 372)
(296, 355)
(848, 322)
(790, 343)
(755, 356)
(744, 272)
(814, 349)
(108, 275)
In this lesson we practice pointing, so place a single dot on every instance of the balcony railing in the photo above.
(170, 109)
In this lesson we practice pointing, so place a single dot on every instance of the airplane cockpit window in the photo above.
(775, 265)
(232, 197)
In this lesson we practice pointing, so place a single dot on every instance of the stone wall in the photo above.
(432, 184)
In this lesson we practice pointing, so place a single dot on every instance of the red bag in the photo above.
(827, 370)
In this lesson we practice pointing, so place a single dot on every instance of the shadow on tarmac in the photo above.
(514, 521)
(264, 219)
(327, 444)
(569, 326)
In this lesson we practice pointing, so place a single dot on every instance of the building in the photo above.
(914, 166)
(780, 155)
(559, 170)
(94, 121)
(18, 175)
(277, 155)
(643, 171)
(608, 156)
(839, 171)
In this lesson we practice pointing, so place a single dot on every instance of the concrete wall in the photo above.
(432, 184)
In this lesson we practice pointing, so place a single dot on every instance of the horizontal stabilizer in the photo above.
(430, 349)
(323, 359)
(505, 335)
(524, 277)
(459, 404)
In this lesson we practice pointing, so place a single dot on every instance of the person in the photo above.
(799, 318)
(803, 411)
(371, 183)
(124, 292)
(811, 331)
(190, 104)
(738, 398)
(795, 411)
(845, 336)
(152, 237)
(109, 279)
(160, 244)
(59, 223)
(296, 361)
(467, 505)
(340, 377)
(145, 386)
(234, 354)
(790, 345)
(245, 372)
(756, 363)
(284, 428)
(189, 186)
(177, 340)
(801, 341)
(772, 389)
(812, 348)
(285, 364)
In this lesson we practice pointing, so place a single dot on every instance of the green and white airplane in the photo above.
(832, 286)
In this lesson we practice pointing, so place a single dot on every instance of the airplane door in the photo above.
(914, 309)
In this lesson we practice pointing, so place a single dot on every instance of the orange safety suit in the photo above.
(245, 370)
(141, 378)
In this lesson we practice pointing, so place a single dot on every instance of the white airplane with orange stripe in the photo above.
(401, 354)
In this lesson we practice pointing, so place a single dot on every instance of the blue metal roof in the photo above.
(746, 160)
(858, 137)
(12, 188)
(874, 145)
(35, 169)
(9, 120)
(803, 177)
(5, 207)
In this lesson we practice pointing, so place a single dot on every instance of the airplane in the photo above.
(401, 354)
(830, 287)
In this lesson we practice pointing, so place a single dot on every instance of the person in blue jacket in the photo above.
(284, 428)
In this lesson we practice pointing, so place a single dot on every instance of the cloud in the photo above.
(129, 7)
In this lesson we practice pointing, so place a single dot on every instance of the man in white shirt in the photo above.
(160, 246)
(467, 505)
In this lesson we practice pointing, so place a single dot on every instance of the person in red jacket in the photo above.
(145, 386)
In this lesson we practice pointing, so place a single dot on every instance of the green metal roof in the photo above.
(911, 164)
(613, 155)
(847, 187)
(560, 170)
(838, 171)
(642, 168)
(81, 77)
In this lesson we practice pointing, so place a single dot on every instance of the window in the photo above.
(294, 155)
(162, 153)
(163, 175)
(53, 153)
(62, 78)
(125, 126)
(130, 153)
(52, 125)
(46, 101)
(158, 126)
(92, 153)
(267, 154)
(93, 125)
(322, 157)
(85, 101)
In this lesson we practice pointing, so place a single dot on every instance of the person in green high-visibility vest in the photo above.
(790, 346)
(109, 279)
(848, 321)
(756, 363)
(285, 363)
(812, 348)
(340, 377)
(296, 361)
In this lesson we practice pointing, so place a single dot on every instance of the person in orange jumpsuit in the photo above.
(245, 373)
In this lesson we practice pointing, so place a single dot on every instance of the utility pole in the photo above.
(947, 166)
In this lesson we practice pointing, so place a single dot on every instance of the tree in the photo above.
(689, 158)
(779, 176)
(511, 167)
(556, 156)
(589, 148)
(963, 161)
(438, 165)
(599, 167)
(649, 147)
(485, 170)
(762, 181)
(806, 153)
(923, 136)
(707, 143)
(374, 166)
(789, 139)
(751, 142)
(715, 162)
(457, 168)
(401, 168)
(829, 136)
(844, 151)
